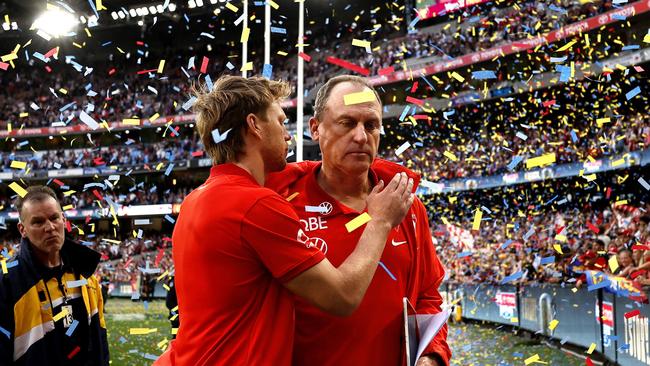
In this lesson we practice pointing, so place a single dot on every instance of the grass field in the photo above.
(472, 345)
(123, 315)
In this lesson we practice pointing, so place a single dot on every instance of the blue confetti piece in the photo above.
(92, 5)
(208, 82)
(483, 75)
(517, 354)
(190, 102)
(574, 137)
(633, 93)
(414, 22)
(547, 260)
(515, 161)
(463, 254)
(404, 112)
(631, 47)
(278, 30)
(73, 326)
(169, 169)
(170, 219)
(558, 59)
(122, 340)
(618, 17)
(5, 332)
(230, 66)
(513, 277)
(506, 244)
(387, 271)
(267, 71)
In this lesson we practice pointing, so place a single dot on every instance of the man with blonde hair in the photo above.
(238, 248)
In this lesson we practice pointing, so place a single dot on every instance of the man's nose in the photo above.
(360, 135)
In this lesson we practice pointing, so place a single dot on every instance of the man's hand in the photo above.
(391, 203)
(427, 361)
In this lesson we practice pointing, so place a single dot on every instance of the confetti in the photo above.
(359, 97)
(357, 222)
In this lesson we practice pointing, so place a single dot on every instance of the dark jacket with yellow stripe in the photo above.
(27, 336)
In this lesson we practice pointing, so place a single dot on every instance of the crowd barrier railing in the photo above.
(617, 326)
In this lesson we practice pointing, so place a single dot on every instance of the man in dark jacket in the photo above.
(51, 309)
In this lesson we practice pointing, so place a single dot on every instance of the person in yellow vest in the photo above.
(51, 308)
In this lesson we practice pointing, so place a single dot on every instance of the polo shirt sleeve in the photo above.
(272, 230)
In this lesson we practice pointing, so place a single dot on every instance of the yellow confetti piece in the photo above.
(273, 4)
(162, 343)
(560, 237)
(18, 164)
(232, 7)
(247, 67)
(620, 203)
(532, 359)
(9, 57)
(154, 117)
(160, 165)
(294, 195)
(18, 189)
(457, 76)
(67, 207)
(131, 121)
(553, 324)
(540, 160)
(357, 222)
(244, 35)
(478, 215)
(600, 121)
(23, 115)
(360, 43)
(282, 53)
(613, 263)
(591, 348)
(161, 66)
(514, 319)
(60, 315)
(3, 263)
(174, 330)
(450, 156)
(360, 97)
(557, 248)
(140, 331)
(566, 46)
(99, 5)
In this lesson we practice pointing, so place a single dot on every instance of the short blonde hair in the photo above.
(226, 106)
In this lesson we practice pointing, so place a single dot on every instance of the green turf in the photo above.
(127, 349)
(472, 345)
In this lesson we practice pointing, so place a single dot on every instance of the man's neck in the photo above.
(254, 167)
(48, 260)
(344, 187)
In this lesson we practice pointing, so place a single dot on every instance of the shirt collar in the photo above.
(230, 169)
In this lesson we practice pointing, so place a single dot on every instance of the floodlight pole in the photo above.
(244, 45)
(301, 86)
(267, 33)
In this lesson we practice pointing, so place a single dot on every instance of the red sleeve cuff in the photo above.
(302, 267)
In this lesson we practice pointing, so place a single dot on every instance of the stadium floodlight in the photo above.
(214, 1)
(121, 14)
(172, 7)
(199, 2)
(56, 22)
(133, 13)
(114, 15)
(152, 9)
(160, 8)
(191, 4)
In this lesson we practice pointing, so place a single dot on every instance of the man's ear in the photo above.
(313, 128)
(254, 125)
(21, 229)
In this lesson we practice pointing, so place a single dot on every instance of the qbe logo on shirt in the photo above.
(311, 242)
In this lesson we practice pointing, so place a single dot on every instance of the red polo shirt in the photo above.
(409, 267)
(234, 244)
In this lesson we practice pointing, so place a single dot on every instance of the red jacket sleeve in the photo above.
(431, 275)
